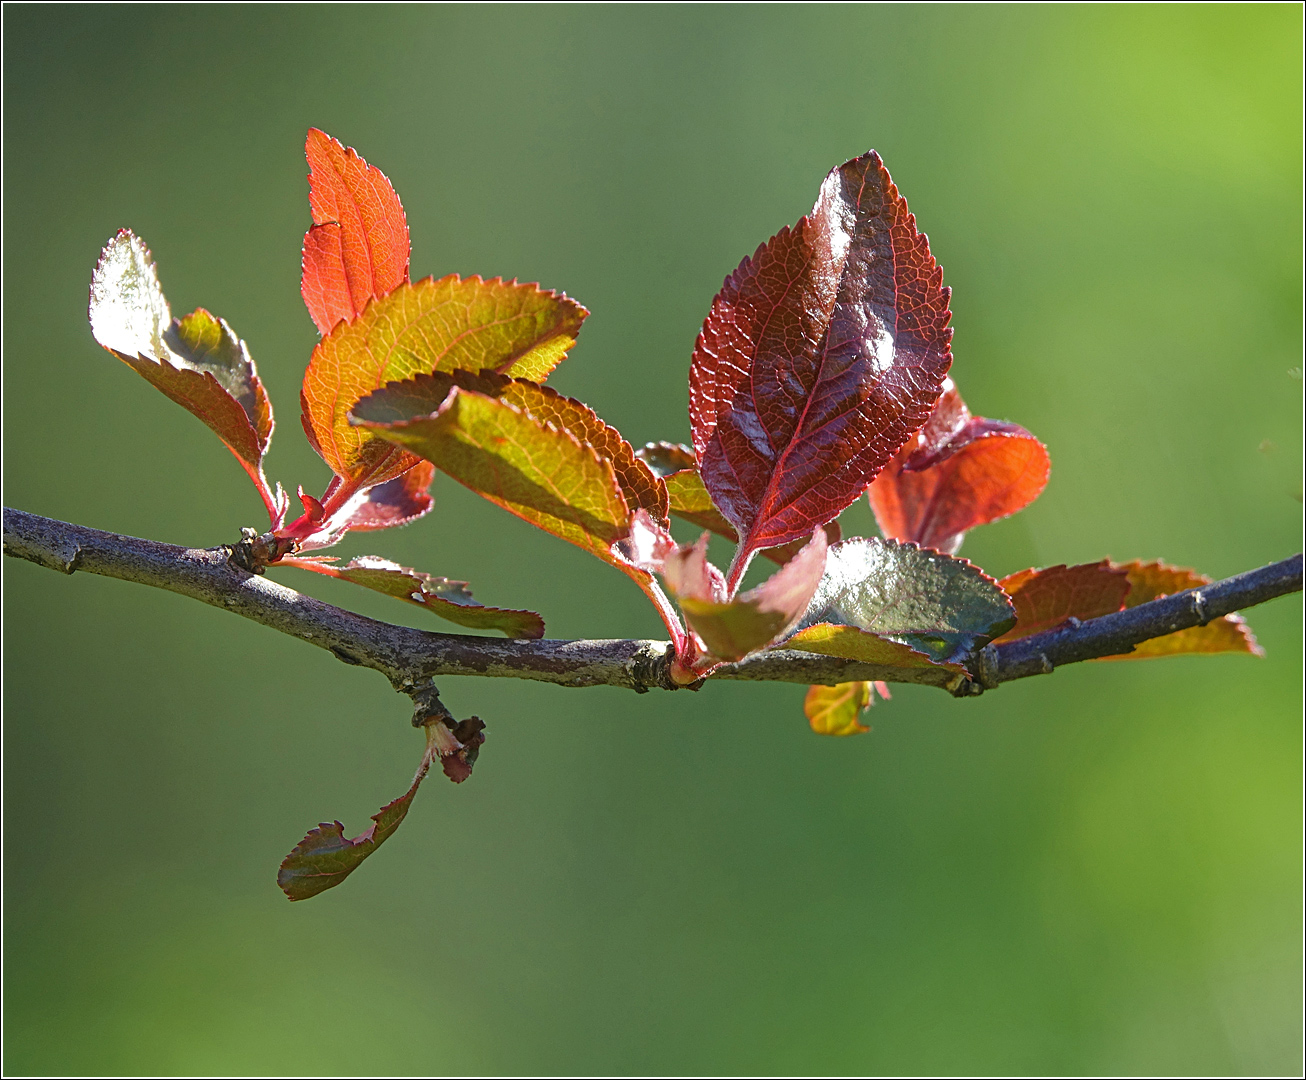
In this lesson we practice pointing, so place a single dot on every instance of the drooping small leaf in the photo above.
(690, 501)
(198, 361)
(396, 502)
(821, 355)
(956, 473)
(325, 857)
(733, 628)
(358, 247)
(451, 600)
(421, 328)
(1153, 580)
(939, 605)
(1044, 599)
(835, 710)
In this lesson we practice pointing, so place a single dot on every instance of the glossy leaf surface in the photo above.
(325, 857)
(1152, 580)
(198, 361)
(451, 600)
(732, 628)
(1044, 599)
(420, 328)
(939, 605)
(821, 355)
(957, 473)
(358, 247)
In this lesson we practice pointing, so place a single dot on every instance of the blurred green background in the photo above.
(1094, 872)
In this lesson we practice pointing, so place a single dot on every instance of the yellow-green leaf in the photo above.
(423, 327)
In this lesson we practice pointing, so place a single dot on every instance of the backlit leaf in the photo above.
(1152, 580)
(396, 502)
(939, 605)
(834, 710)
(821, 355)
(198, 361)
(733, 628)
(1044, 599)
(420, 328)
(422, 397)
(451, 600)
(957, 473)
(358, 247)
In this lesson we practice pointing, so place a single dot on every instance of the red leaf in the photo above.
(958, 472)
(396, 502)
(358, 246)
(821, 355)
(1046, 598)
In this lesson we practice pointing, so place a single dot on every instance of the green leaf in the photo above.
(834, 710)
(451, 600)
(937, 604)
(853, 643)
(422, 396)
(419, 328)
(198, 361)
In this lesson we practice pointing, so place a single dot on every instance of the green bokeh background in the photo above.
(1093, 872)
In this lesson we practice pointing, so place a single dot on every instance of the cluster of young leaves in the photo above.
(821, 373)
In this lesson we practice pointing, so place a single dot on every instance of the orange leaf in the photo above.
(1046, 598)
(958, 472)
(358, 246)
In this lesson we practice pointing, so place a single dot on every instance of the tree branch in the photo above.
(410, 659)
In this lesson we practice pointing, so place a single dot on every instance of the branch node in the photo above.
(427, 706)
(1045, 664)
(1199, 607)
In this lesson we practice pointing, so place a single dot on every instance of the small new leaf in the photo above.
(733, 628)
(451, 600)
(835, 710)
(939, 605)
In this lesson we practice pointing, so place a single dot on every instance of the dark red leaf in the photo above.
(397, 501)
(1046, 598)
(358, 246)
(821, 355)
(956, 473)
